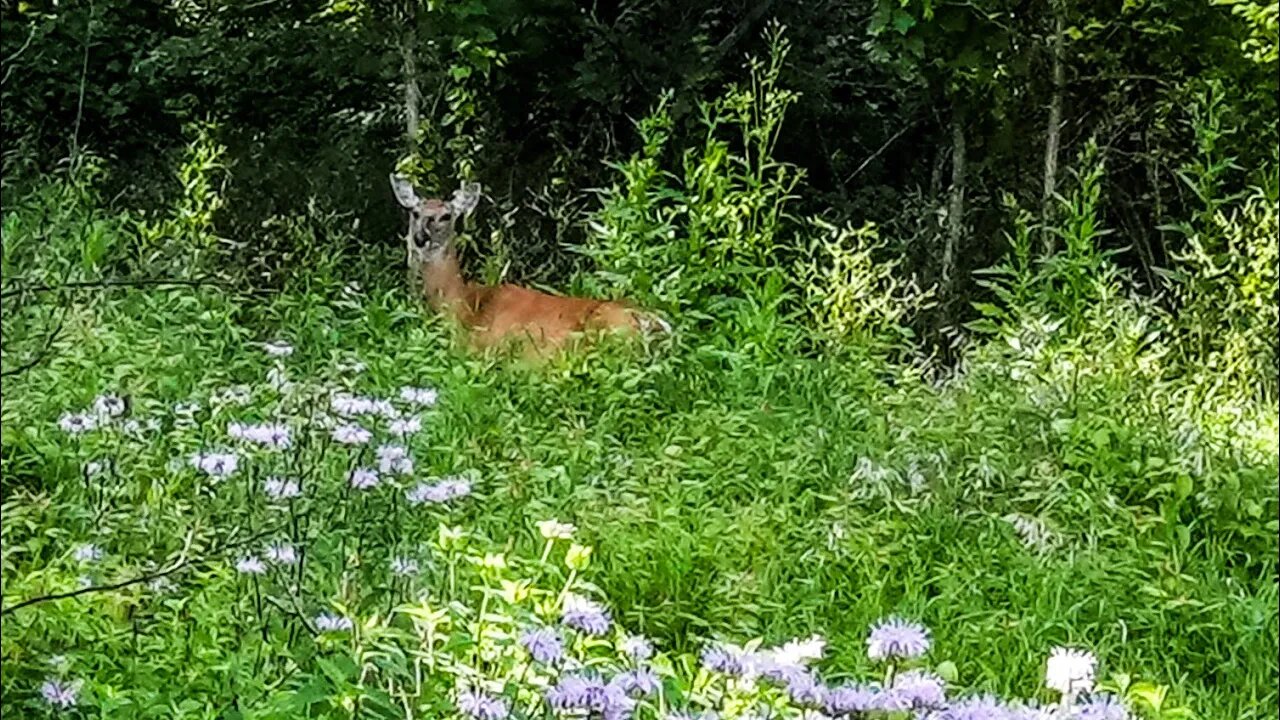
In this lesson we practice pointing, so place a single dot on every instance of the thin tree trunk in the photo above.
(1053, 136)
(412, 103)
(412, 94)
(955, 209)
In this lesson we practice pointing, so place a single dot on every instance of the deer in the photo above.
(493, 316)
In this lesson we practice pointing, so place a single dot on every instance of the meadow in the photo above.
(949, 425)
(310, 503)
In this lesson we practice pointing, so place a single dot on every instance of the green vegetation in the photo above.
(853, 419)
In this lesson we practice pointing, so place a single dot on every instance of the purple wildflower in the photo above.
(281, 489)
(394, 459)
(637, 648)
(283, 554)
(583, 692)
(920, 688)
(351, 434)
(896, 638)
(770, 669)
(251, 565)
(586, 616)
(59, 694)
(544, 644)
(1101, 707)
(88, 553)
(804, 689)
(349, 405)
(424, 397)
(480, 706)
(401, 427)
(216, 465)
(328, 622)
(272, 435)
(108, 406)
(425, 493)
(363, 478)
(77, 423)
(721, 659)
(847, 699)
(637, 682)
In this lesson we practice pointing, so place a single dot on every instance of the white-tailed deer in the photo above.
(494, 316)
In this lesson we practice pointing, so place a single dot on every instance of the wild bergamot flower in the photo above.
(896, 639)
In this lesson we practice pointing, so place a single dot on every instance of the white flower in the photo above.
(351, 434)
(362, 478)
(553, 529)
(77, 423)
(798, 653)
(1070, 671)
(131, 427)
(282, 553)
(93, 467)
(216, 465)
(108, 406)
(278, 348)
(251, 565)
(281, 489)
(88, 553)
(405, 426)
(328, 622)
(422, 397)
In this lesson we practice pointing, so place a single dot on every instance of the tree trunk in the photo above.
(1053, 135)
(955, 205)
(412, 94)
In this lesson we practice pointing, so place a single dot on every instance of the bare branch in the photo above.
(44, 351)
(181, 564)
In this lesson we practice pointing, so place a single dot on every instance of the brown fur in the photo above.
(539, 322)
(506, 314)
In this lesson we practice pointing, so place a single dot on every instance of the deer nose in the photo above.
(420, 240)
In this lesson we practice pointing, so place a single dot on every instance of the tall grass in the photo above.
(1057, 488)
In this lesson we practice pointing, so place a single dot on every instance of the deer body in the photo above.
(493, 316)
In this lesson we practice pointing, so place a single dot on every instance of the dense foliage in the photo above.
(969, 409)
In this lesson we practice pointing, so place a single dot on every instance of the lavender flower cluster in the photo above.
(918, 691)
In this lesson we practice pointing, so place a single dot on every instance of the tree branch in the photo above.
(181, 564)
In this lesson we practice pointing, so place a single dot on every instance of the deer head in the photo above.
(432, 222)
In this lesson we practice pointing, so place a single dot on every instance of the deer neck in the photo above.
(443, 284)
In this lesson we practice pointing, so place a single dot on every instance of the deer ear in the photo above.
(404, 191)
(465, 198)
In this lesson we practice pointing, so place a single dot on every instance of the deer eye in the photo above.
(444, 217)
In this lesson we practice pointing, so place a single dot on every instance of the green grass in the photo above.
(725, 496)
